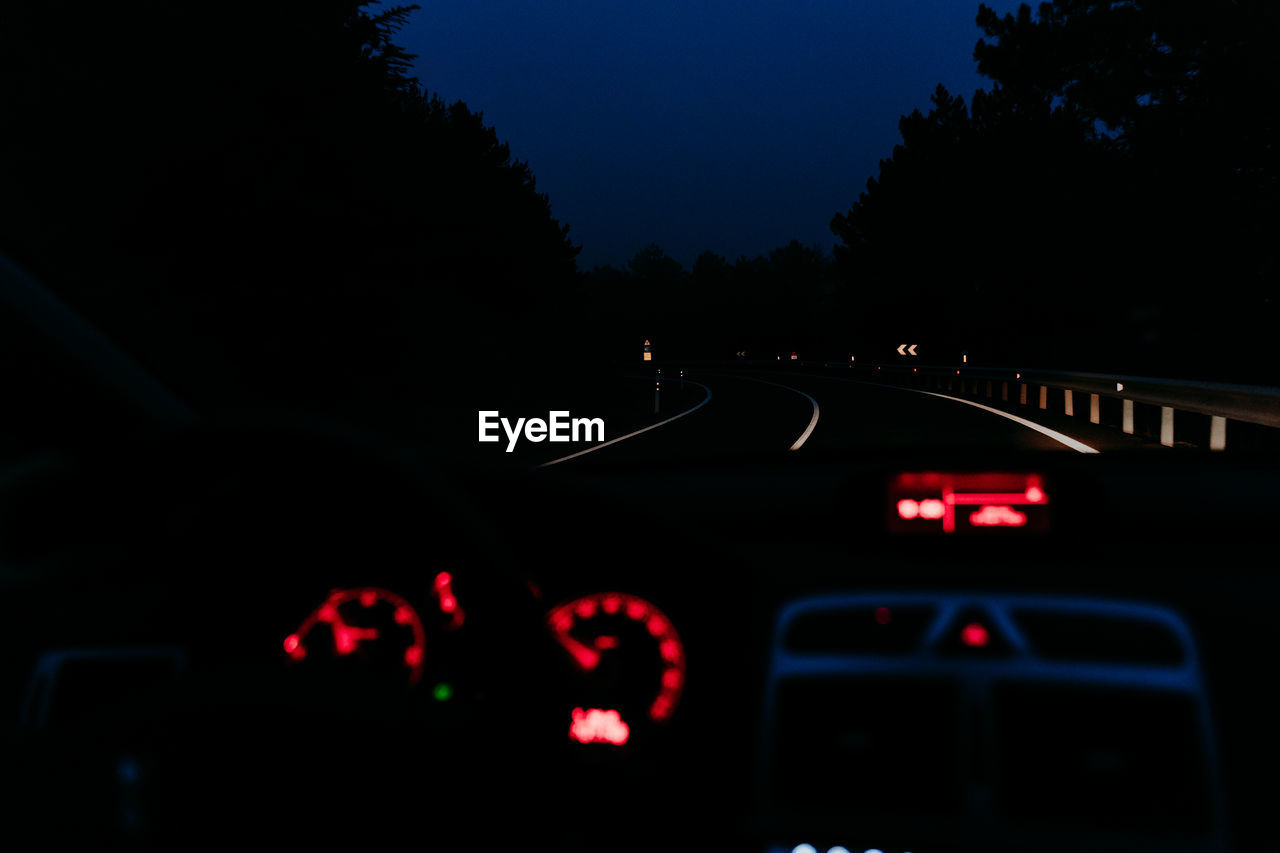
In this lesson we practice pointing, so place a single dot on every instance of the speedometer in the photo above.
(631, 659)
(367, 622)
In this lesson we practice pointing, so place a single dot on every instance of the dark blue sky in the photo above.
(730, 125)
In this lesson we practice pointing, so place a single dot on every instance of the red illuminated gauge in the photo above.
(632, 654)
(365, 621)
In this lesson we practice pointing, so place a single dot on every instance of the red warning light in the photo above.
(598, 726)
(974, 635)
(1035, 495)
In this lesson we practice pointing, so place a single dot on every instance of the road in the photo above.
(759, 413)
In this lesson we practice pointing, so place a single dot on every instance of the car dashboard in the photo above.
(228, 631)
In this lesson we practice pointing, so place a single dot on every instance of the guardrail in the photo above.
(1167, 409)
(1172, 411)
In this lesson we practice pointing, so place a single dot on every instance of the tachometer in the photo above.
(367, 622)
(633, 659)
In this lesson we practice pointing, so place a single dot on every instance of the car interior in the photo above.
(229, 627)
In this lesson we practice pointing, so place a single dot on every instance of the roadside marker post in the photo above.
(1218, 433)
(657, 391)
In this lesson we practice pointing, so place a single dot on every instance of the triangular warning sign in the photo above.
(646, 342)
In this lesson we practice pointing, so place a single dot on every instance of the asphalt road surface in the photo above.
(762, 413)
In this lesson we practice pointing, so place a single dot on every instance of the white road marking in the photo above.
(1040, 428)
(1079, 446)
(594, 448)
(813, 421)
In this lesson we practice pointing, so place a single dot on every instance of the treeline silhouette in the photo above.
(261, 201)
(759, 305)
(1108, 203)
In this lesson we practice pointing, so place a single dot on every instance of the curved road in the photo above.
(760, 413)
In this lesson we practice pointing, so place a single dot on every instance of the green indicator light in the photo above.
(442, 692)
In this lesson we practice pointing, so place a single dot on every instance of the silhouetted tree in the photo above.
(261, 201)
(1177, 94)
(653, 265)
(1116, 164)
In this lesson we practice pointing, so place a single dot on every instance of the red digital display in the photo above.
(992, 515)
(598, 726)
(967, 502)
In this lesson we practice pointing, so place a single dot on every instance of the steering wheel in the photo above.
(218, 541)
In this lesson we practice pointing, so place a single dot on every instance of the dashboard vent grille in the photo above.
(871, 629)
(1098, 638)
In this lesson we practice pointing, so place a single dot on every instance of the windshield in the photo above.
(865, 411)
(317, 206)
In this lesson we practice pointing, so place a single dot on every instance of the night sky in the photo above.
(730, 125)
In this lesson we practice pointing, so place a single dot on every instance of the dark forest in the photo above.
(264, 203)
